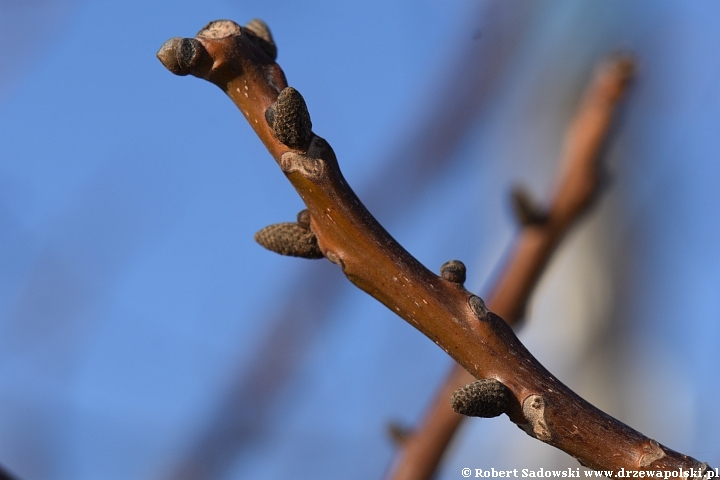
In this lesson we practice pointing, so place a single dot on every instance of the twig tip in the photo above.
(182, 55)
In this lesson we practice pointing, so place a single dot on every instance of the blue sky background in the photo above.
(143, 333)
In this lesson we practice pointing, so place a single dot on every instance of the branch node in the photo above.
(291, 239)
(290, 120)
(486, 398)
(399, 434)
(528, 211)
(652, 452)
(704, 472)
(264, 38)
(332, 256)
(478, 306)
(453, 271)
(534, 410)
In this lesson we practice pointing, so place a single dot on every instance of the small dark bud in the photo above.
(303, 219)
(477, 306)
(290, 119)
(270, 115)
(485, 398)
(289, 239)
(453, 271)
(263, 36)
(527, 211)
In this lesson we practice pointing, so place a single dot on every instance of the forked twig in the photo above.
(241, 61)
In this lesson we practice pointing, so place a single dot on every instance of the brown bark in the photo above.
(241, 62)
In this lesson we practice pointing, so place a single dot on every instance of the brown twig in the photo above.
(543, 229)
(241, 62)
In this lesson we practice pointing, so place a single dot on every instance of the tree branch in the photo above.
(542, 231)
(241, 61)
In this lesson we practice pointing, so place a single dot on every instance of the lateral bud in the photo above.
(528, 211)
(303, 219)
(486, 398)
(454, 271)
(399, 434)
(478, 306)
(264, 38)
(291, 239)
(290, 120)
